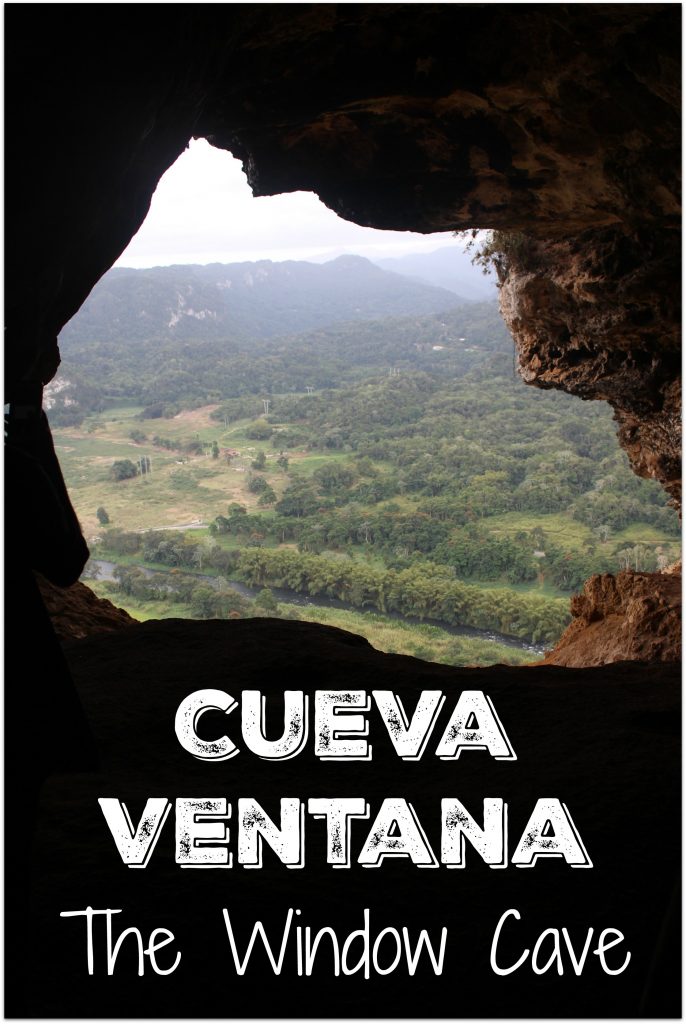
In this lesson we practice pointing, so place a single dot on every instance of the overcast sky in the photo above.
(204, 212)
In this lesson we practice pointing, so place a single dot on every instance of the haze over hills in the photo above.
(242, 300)
(448, 267)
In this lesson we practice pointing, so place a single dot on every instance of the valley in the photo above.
(396, 466)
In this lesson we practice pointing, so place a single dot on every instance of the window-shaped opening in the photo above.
(265, 410)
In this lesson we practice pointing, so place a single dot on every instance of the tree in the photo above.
(215, 450)
(332, 476)
(203, 603)
(122, 542)
(662, 560)
(257, 484)
(365, 530)
(365, 466)
(298, 500)
(123, 469)
(282, 463)
(259, 430)
(638, 558)
(204, 549)
(127, 577)
(267, 497)
(103, 517)
(266, 601)
(260, 461)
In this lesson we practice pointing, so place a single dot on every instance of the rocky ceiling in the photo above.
(558, 121)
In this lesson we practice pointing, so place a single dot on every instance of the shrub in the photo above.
(123, 469)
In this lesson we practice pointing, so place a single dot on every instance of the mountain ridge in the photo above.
(249, 299)
(448, 267)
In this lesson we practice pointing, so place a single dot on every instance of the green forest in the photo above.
(397, 466)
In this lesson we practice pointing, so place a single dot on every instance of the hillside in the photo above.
(241, 300)
(172, 373)
(448, 267)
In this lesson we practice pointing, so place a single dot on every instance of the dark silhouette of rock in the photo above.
(77, 612)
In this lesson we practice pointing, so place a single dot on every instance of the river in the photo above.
(283, 596)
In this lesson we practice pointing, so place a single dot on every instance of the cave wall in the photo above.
(599, 316)
(559, 121)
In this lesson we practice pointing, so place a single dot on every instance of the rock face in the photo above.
(549, 120)
(633, 616)
(77, 612)
(462, 116)
(599, 317)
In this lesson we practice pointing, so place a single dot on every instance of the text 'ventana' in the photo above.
(208, 834)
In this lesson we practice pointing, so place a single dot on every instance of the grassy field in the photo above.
(643, 533)
(567, 533)
(391, 636)
(190, 490)
(181, 490)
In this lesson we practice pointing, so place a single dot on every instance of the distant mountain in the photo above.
(242, 300)
(449, 267)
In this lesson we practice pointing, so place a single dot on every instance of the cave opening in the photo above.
(242, 434)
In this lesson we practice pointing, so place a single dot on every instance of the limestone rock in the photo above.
(633, 616)
(598, 316)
